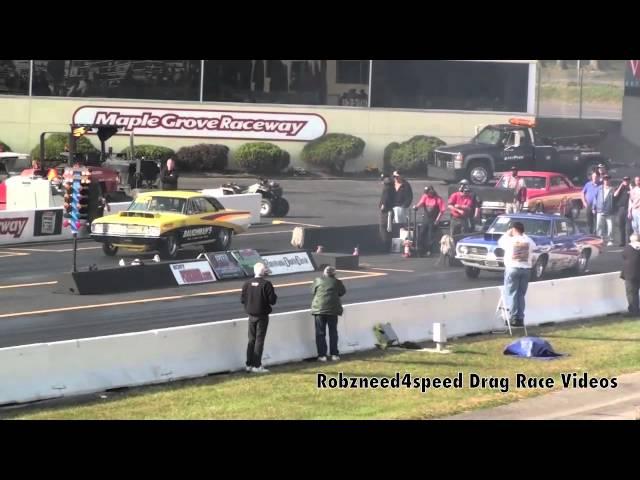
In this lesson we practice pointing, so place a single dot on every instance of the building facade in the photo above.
(176, 103)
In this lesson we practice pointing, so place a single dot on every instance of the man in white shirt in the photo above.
(518, 253)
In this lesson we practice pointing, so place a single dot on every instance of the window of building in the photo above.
(352, 71)
(143, 79)
(300, 82)
(450, 85)
(14, 77)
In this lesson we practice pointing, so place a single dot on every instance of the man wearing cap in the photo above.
(461, 208)
(519, 192)
(601, 169)
(258, 295)
(588, 198)
(434, 208)
(477, 205)
(603, 208)
(621, 202)
(403, 197)
(325, 308)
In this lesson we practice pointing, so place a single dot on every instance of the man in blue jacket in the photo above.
(588, 199)
(604, 209)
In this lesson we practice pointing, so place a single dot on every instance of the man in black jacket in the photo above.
(170, 176)
(403, 198)
(257, 297)
(631, 274)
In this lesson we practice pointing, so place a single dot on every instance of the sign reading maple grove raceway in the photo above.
(281, 264)
(167, 122)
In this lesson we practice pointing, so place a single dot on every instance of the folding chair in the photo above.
(503, 312)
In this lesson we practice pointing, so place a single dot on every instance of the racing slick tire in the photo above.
(472, 272)
(223, 240)
(109, 250)
(538, 269)
(169, 248)
(266, 208)
(281, 207)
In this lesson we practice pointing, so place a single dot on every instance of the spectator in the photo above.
(634, 206)
(621, 201)
(434, 208)
(631, 274)
(387, 201)
(461, 208)
(326, 307)
(170, 176)
(601, 169)
(403, 197)
(518, 250)
(588, 198)
(519, 192)
(476, 207)
(258, 295)
(603, 208)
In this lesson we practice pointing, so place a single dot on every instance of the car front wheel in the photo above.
(169, 248)
(538, 269)
(472, 272)
(583, 263)
(109, 250)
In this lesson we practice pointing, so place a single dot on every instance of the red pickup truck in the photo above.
(547, 192)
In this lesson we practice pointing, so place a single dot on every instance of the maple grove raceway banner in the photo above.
(632, 78)
(169, 122)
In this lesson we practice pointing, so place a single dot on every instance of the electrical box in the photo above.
(25, 193)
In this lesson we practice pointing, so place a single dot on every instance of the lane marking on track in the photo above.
(13, 254)
(45, 250)
(281, 222)
(391, 270)
(19, 285)
(614, 251)
(360, 275)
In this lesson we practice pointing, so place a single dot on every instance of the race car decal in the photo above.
(192, 233)
(226, 216)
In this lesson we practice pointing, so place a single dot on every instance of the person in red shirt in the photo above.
(434, 208)
(461, 208)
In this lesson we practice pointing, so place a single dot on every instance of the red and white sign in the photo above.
(13, 226)
(192, 273)
(167, 122)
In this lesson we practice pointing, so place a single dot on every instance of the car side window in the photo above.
(556, 182)
(192, 207)
(203, 205)
(215, 203)
(565, 182)
(561, 228)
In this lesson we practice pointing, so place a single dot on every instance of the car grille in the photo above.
(477, 250)
(443, 160)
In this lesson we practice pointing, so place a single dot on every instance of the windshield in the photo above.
(531, 226)
(489, 136)
(158, 204)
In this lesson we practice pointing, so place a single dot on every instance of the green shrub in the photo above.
(150, 152)
(203, 157)
(54, 146)
(386, 158)
(331, 152)
(262, 157)
(5, 147)
(412, 155)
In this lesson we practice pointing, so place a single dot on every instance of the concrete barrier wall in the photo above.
(40, 371)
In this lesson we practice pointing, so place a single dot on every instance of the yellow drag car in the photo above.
(166, 220)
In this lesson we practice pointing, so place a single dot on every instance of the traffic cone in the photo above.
(320, 249)
(356, 251)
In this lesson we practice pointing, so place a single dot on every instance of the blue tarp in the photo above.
(531, 347)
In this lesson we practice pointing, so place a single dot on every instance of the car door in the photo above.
(557, 196)
(518, 150)
(561, 244)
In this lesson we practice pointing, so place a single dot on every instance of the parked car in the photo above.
(560, 245)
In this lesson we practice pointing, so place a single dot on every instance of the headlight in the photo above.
(458, 161)
(94, 227)
(463, 250)
(153, 231)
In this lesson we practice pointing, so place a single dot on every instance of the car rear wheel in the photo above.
(266, 208)
(109, 250)
(169, 248)
(472, 272)
(583, 263)
(538, 269)
(223, 240)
